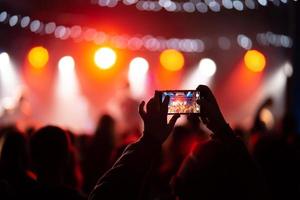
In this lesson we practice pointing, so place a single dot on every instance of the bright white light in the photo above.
(202, 7)
(35, 25)
(13, 20)
(129, 2)
(201, 74)
(9, 80)
(188, 7)
(139, 66)
(172, 7)
(238, 5)
(105, 58)
(207, 67)
(244, 41)
(3, 16)
(263, 2)
(4, 59)
(288, 69)
(70, 108)
(227, 4)
(214, 6)
(137, 76)
(66, 64)
(25, 21)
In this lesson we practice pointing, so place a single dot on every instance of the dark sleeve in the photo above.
(125, 179)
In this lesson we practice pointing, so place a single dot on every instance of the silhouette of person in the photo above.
(99, 157)
(220, 168)
(51, 156)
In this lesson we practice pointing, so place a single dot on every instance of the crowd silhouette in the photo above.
(204, 158)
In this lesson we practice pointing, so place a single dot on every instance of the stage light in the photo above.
(250, 4)
(227, 4)
(35, 25)
(238, 5)
(202, 7)
(288, 69)
(263, 2)
(200, 74)
(207, 67)
(138, 66)
(13, 20)
(188, 7)
(214, 6)
(3, 16)
(172, 59)
(66, 64)
(137, 76)
(4, 60)
(38, 57)
(70, 108)
(244, 41)
(255, 60)
(9, 79)
(50, 28)
(25, 21)
(105, 58)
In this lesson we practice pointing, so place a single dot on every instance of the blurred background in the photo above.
(67, 62)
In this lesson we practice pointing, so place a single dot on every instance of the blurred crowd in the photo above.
(55, 163)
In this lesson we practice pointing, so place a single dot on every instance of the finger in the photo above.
(205, 92)
(141, 110)
(165, 104)
(151, 106)
(172, 122)
(157, 97)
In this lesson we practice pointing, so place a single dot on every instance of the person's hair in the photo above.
(13, 150)
(50, 148)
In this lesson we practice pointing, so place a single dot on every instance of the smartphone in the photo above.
(181, 101)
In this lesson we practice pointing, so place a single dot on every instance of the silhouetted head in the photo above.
(105, 128)
(50, 150)
(13, 150)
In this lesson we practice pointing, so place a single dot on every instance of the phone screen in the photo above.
(182, 101)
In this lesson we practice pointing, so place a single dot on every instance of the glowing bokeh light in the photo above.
(255, 60)
(267, 117)
(288, 69)
(70, 107)
(207, 67)
(201, 74)
(9, 81)
(66, 64)
(4, 59)
(172, 59)
(137, 76)
(105, 58)
(38, 57)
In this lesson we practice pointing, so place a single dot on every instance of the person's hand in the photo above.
(155, 119)
(210, 112)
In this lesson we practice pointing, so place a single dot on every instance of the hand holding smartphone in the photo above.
(181, 101)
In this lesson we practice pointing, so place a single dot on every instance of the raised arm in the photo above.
(126, 178)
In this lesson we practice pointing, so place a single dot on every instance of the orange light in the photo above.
(38, 57)
(255, 60)
(172, 59)
(105, 58)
